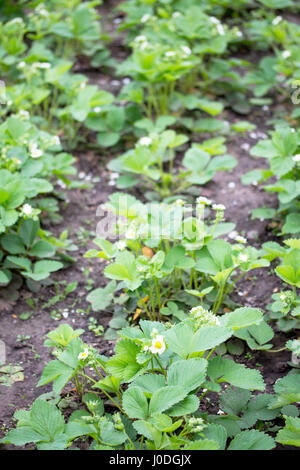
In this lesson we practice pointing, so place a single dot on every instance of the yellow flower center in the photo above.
(158, 344)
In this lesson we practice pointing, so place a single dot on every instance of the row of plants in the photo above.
(172, 275)
(41, 112)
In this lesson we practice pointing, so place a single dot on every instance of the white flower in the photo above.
(144, 45)
(186, 50)
(24, 114)
(220, 29)
(286, 54)
(158, 345)
(27, 209)
(296, 158)
(41, 65)
(243, 257)
(35, 152)
(233, 234)
(146, 141)
(97, 109)
(146, 348)
(245, 146)
(203, 317)
(282, 297)
(218, 207)
(83, 355)
(145, 18)
(41, 10)
(176, 14)
(82, 85)
(240, 239)
(17, 20)
(126, 81)
(55, 140)
(21, 64)
(121, 245)
(44, 12)
(140, 39)
(61, 184)
(65, 313)
(214, 20)
(277, 20)
(179, 202)
(231, 185)
(203, 200)
(170, 53)
(239, 33)
(130, 234)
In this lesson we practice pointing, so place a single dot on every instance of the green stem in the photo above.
(104, 391)
(160, 365)
(157, 293)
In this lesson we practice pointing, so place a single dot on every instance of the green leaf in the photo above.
(217, 433)
(263, 213)
(149, 383)
(225, 370)
(234, 400)
(42, 249)
(241, 318)
(190, 374)
(148, 430)
(252, 440)
(256, 336)
(5, 276)
(101, 298)
(57, 372)
(292, 224)
(179, 338)
(290, 434)
(44, 423)
(62, 335)
(209, 337)
(124, 269)
(135, 403)
(19, 261)
(258, 410)
(195, 159)
(203, 444)
(287, 391)
(28, 231)
(42, 269)
(166, 397)
(188, 405)
(13, 244)
(93, 403)
(124, 364)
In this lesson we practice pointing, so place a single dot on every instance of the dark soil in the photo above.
(80, 211)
